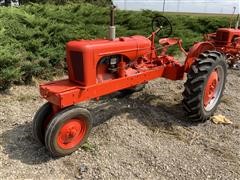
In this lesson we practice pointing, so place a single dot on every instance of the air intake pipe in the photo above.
(112, 28)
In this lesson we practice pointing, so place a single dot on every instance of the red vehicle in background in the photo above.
(227, 41)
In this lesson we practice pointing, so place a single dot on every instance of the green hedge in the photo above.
(32, 37)
(60, 2)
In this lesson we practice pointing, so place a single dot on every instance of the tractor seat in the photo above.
(168, 41)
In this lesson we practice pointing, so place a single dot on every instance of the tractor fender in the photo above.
(195, 51)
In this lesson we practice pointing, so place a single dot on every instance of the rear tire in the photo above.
(204, 86)
(68, 130)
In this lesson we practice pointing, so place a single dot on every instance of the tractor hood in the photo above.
(132, 47)
(230, 30)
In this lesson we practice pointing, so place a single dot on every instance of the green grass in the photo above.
(33, 37)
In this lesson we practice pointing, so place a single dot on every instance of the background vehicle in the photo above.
(227, 41)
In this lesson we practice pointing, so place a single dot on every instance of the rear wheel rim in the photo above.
(213, 88)
(71, 133)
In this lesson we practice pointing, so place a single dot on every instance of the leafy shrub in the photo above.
(96, 2)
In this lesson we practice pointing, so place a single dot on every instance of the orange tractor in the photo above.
(103, 66)
(227, 41)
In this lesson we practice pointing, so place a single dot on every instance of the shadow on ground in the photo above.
(149, 110)
(19, 144)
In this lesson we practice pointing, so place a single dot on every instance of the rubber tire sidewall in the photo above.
(223, 65)
(38, 122)
(195, 86)
(58, 121)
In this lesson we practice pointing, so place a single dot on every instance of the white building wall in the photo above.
(192, 6)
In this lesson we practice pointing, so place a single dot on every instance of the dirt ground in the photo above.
(142, 136)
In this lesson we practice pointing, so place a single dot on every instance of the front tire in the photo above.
(204, 86)
(40, 122)
(68, 130)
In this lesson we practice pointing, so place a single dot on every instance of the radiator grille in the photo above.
(77, 65)
(222, 37)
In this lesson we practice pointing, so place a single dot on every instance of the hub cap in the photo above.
(71, 133)
(213, 88)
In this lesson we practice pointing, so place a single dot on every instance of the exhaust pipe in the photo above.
(112, 28)
(237, 23)
(231, 18)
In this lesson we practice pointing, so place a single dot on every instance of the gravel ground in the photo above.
(142, 136)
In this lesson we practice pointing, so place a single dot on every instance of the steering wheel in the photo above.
(162, 26)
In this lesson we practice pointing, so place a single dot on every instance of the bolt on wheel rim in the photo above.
(71, 133)
(213, 88)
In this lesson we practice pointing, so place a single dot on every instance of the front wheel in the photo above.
(40, 121)
(204, 86)
(68, 130)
